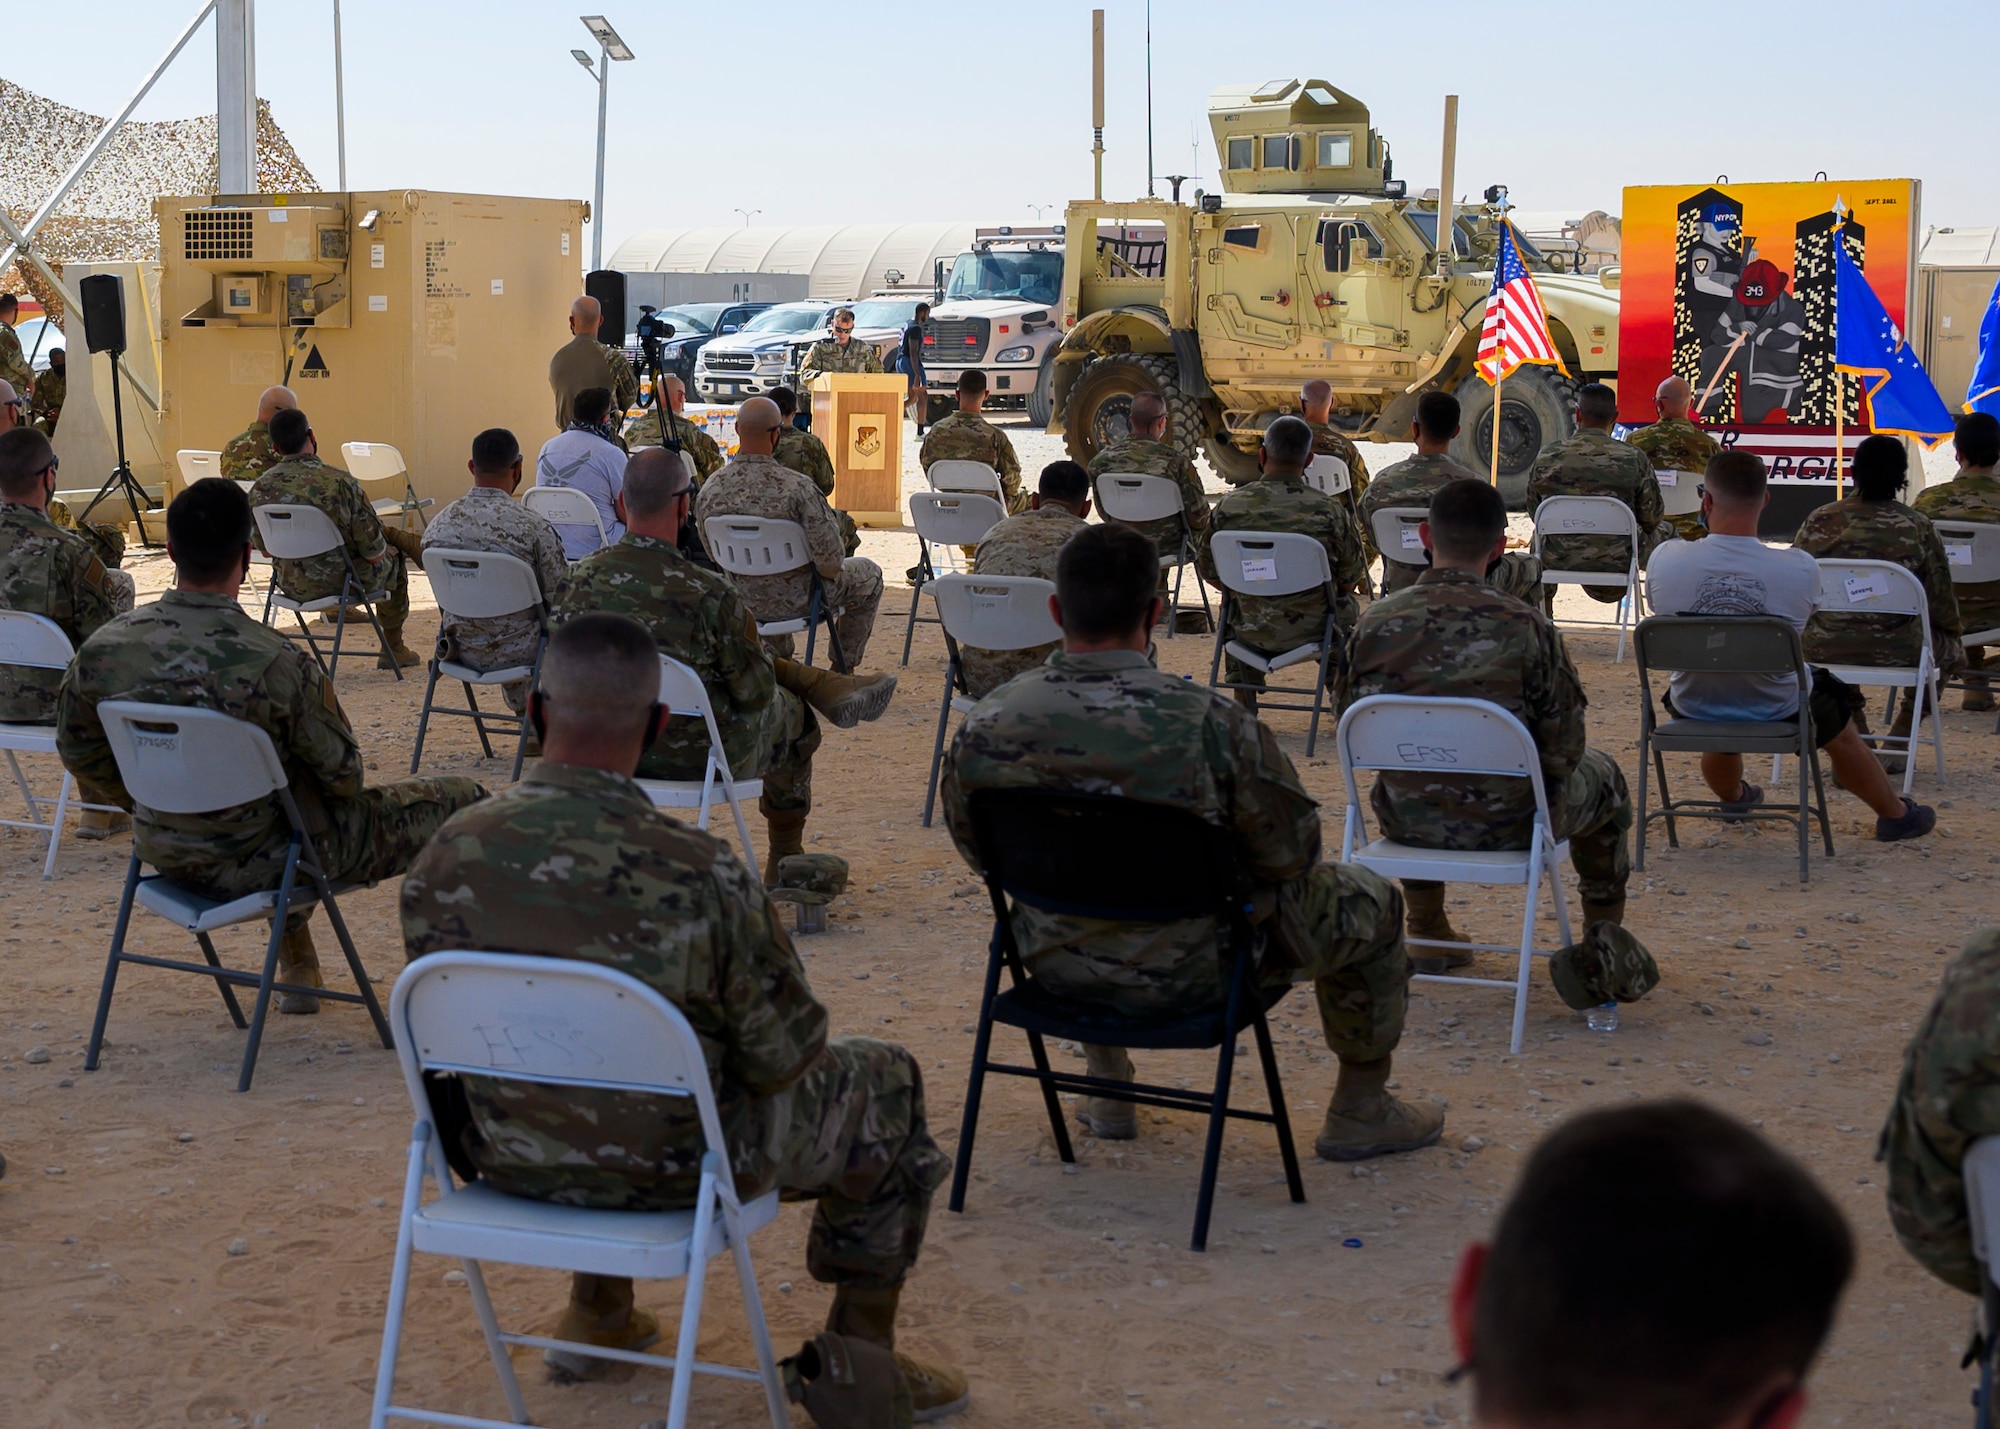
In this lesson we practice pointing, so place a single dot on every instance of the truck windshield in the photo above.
(885, 312)
(1032, 277)
(787, 319)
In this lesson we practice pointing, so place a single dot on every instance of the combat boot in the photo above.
(600, 1312)
(102, 823)
(298, 962)
(936, 1390)
(847, 700)
(394, 651)
(1978, 699)
(1107, 1118)
(1424, 902)
(1366, 1120)
(786, 829)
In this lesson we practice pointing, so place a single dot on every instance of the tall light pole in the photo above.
(610, 48)
(748, 214)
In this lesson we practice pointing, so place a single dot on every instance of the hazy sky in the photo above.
(859, 111)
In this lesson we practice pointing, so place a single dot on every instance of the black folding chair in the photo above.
(1101, 856)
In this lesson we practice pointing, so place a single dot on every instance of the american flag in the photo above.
(1516, 330)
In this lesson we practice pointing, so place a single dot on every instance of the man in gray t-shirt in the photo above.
(1732, 572)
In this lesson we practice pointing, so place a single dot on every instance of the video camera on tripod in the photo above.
(652, 330)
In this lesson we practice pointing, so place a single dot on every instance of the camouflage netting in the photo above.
(108, 216)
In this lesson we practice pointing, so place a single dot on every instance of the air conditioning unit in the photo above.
(278, 238)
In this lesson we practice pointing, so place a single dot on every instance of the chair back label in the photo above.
(1264, 570)
(1865, 587)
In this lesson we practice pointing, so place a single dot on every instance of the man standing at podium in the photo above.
(839, 353)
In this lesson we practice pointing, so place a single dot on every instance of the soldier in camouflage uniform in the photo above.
(51, 391)
(1870, 524)
(1595, 463)
(839, 353)
(1099, 717)
(1316, 408)
(1146, 452)
(1678, 450)
(584, 362)
(756, 484)
(14, 366)
(1972, 495)
(301, 479)
(1453, 635)
(574, 862)
(807, 455)
(196, 647)
(1946, 1100)
(1415, 480)
(967, 436)
(108, 540)
(1026, 545)
(699, 446)
(487, 518)
(1281, 501)
(699, 618)
(249, 454)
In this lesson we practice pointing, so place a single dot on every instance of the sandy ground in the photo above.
(1068, 1293)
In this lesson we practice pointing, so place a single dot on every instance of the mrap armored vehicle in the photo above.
(1313, 262)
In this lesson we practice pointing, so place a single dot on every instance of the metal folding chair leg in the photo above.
(937, 748)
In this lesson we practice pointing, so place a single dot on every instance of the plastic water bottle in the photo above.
(1603, 1017)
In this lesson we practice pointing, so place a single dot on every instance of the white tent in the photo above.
(842, 260)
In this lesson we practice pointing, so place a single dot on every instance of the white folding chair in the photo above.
(561, 506)
(945, 520)
(959, 474)
(1327, 474)
(1133, 497)
(1678, 491)
(1972, 552)
(1396, 537)
(1593, 516)
(482, 585)
(376, 463)
(1981, 1173)
(1885, 588)
(683, 693)
(37, 643)
(298, 533)
(756, 546)
(200, 466)
(1274, 563)
(1444, 737)
(561, 1023)
(987, 613)
(180, 759)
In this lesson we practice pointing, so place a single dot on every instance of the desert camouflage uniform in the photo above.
(201, 650)
(761, 486)
(1111, 723)
(249, 454)
(967, 436)
(1136, 456)
(696, 444)
(488, 519)
(806, 454)
(46, 571)
(14, 366)
(1272, 625)
(1024, 545)
(305, 480)
(1947, 1098)
(1972, 495)
(1331, 441)
(827, 355)
(51, 389)
(698, 618)
(575, 863)
(106, 538)
(1452, 634)
(1595, 463)
(1678, 445)
(1856, 530)
(1413, 482)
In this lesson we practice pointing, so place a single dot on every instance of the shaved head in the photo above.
(1673, 396)
(1316, 398)
(653, 478)
(273, 400)
(587, 310)
(1148, 412)
(757, 424)
(676, 391)
(600, 678)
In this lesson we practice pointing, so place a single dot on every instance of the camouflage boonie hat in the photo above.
(810, 878)
(1609, 965)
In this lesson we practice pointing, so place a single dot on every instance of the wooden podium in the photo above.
(859, 415)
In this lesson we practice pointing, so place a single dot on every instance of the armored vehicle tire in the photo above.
(1099, 409)
(1231, 462)
(1040, 408)
(1538, 408)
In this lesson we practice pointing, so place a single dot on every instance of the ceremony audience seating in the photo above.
(1411, 734)
(944, 521)
(988, 613)
(38, 643)
(1886, 588)
(683, 693)
(1972, 550)
(178, 759)
(762, 546)
(1134, 497)
(560, 506)
(1101, 856)
(1395, 531)
(963, 474)
(1592, 516)
(298, 533)
(1274, 563)
(379, 464)
(523, 1019)
(199, 466)
(480, 585)
(1328, 474)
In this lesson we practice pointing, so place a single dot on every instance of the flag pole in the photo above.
(1496, 431)
(1839, 417)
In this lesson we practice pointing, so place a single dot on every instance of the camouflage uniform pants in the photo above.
(1593, 553)
(1595, 816)
(1274, 634)
(1518, 574)
(855, 595)
(781, 744)
(987, 670)
(366, 839)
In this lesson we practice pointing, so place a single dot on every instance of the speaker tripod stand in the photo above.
(121, 478)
